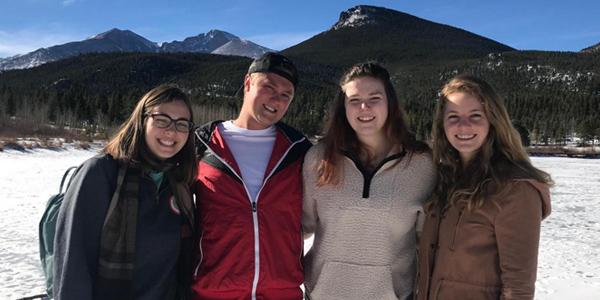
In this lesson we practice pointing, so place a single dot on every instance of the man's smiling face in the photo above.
(267, 97)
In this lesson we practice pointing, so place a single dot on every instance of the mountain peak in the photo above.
(377, 33)
(113, 40)
(215, 32)
(203, 43)
(124, 40)
(355, 17)
(108, 33)
(361, 15)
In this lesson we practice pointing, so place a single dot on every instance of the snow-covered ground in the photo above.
(26, 182)
(569, 262)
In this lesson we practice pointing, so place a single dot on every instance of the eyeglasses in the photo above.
(165, 121)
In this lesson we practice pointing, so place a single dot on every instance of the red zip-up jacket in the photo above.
(249, 249)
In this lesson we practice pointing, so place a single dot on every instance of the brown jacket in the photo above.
(488, 253)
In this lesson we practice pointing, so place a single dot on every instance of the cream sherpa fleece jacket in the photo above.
(364, 248)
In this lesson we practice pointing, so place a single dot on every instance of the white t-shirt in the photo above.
(251, 150)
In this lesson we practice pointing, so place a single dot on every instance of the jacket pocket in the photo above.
(449, 289)
(339, 280)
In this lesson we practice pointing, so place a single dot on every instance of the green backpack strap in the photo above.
(47, 229)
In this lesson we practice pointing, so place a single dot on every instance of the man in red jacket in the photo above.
(249, 193)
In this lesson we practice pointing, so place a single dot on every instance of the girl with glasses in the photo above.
(125, 227)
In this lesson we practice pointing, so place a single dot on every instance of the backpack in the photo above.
(47, 229)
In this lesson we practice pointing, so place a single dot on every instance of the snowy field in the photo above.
(569, 262)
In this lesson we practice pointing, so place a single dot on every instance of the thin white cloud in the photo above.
(68, 2)
(280, 41)
(24, 41)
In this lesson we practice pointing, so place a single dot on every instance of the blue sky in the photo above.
(26, 25)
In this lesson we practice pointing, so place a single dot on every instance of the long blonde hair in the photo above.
(500, 159)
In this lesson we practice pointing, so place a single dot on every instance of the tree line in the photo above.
(550, 96)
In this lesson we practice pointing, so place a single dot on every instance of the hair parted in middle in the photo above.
(501, 158)
(129, 144)
(339, 136)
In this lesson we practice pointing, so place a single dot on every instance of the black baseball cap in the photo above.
(275, 63)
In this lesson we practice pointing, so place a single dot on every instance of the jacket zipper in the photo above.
(255, 218)
(201, 254)
(368, 176)
(438, 287)
(460, 215)
(254, 206)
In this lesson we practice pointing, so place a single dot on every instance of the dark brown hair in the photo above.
(339, 135)
(129, 143)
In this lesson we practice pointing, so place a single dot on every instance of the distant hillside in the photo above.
(202, 43)
(368, 32)
(103, 87)
(590, 49)
(116, 40)
(550, 95)
(107, 85)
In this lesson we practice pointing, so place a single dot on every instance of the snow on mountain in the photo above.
(538, 75)
(214, 34)
(202, 43)
(356, 16)
(216, 42)
(547, 74)
(241, 47)
(114, 40)
(30, 60)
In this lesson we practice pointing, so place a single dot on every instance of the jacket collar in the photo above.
(289, 145)
(206, 131)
